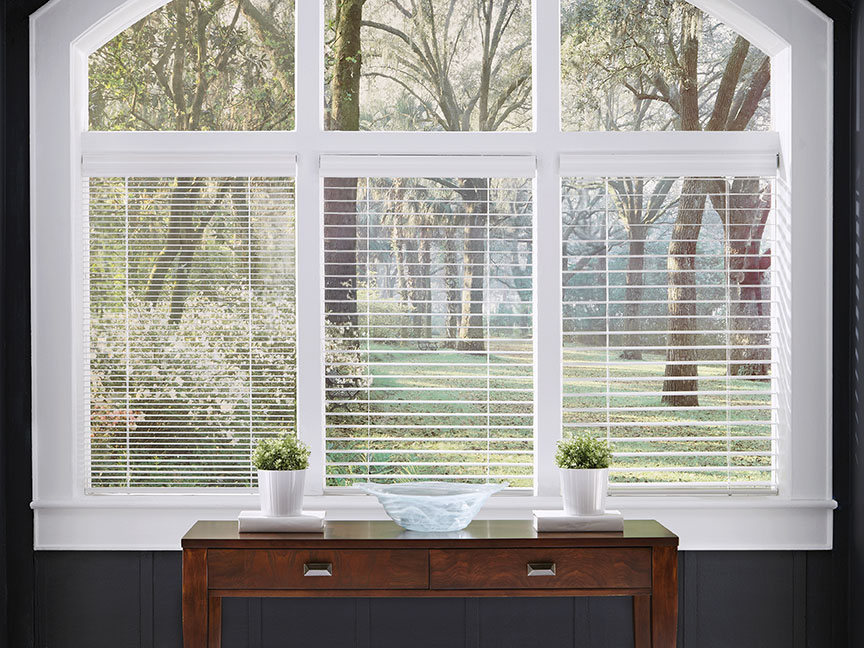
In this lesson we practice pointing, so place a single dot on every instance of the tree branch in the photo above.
(728, 83)
(758, 83)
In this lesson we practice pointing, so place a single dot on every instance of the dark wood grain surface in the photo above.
(350, 569)
(196, 611)
(545, 592)
(380, 559)
(375, 534)
(593, 568)
(641, 622)
(664, 598)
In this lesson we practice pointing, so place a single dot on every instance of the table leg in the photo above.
(664, 599)
(215, 623)
(195, 604)
(642, 621)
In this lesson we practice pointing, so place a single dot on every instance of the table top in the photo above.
(371, 534)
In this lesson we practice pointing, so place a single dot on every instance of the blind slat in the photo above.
(190, 349)
(668, 317)
(440, 304)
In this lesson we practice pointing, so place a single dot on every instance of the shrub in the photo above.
(342, 358)
(283, 452)
(583, 451)
(190, 378)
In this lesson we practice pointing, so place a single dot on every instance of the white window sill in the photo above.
(124, 522)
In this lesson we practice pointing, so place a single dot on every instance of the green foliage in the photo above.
(441, 65)
(346, 375)
(622, 65)
(204, 65)
(583, 451)
(284, 452)
(226, 362)
(231, 68)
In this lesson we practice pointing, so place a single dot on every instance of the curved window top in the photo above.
(198, 65)
(653, 65)
(435, 65)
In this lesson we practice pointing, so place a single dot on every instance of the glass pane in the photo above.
(429, 302)
(654, 65)
(668, 346)
(209, 65)
(190, 339)
(428, 65)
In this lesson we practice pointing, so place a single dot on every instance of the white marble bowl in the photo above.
(431, 506)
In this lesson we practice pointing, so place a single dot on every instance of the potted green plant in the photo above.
(281, 462)
(584, 463)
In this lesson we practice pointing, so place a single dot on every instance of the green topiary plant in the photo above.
(583, 451)
(283, 452)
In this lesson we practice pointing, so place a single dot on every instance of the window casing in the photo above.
(803, 498)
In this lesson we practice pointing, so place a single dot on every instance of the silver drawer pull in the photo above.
(541, 569)
(317, 569)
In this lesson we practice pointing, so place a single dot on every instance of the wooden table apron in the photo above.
(379, 559)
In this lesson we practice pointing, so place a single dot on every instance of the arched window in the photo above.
(649, 65)
(209, 66)
(431, 238)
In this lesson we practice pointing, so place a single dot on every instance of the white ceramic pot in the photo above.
(584, 490)
(281, 492)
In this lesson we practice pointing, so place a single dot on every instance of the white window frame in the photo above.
(795, 34)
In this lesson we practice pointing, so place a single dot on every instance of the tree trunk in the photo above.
(630, 196)
(415, 281)
(340, 251)
(340, 194)
(423, 285)
(475, 201)
(185, 194)
(451, 280)
(275, 42)
(745, 221)
(750, 331)
(397, 247)
(636, 234)
(682, 370)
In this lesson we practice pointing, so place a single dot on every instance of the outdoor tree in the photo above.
(638, 211)
(428, 282)
(672, 69)
(340, 194)
(744, 205)
(195, 65)
(458, 66)
(198, 257)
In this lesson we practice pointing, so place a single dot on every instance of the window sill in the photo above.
(156, 522)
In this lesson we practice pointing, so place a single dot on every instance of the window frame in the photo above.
(798, 38)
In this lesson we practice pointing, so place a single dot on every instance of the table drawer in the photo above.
(557, 568)
(318, 569)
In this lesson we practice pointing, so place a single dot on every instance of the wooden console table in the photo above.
(380, 559)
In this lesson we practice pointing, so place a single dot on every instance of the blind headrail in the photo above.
(188, 163)
(684, 154)
(410, 166)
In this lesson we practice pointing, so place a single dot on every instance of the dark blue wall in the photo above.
(728, 600)
(132, 599)
(855, 533)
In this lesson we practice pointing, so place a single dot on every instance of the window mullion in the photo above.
(310, 363)
(547, 250)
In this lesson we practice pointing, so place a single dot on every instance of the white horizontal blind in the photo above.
(669, 321)
(429, 333)
(189, 327)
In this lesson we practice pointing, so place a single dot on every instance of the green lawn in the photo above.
(435, 414)
(733, 415)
